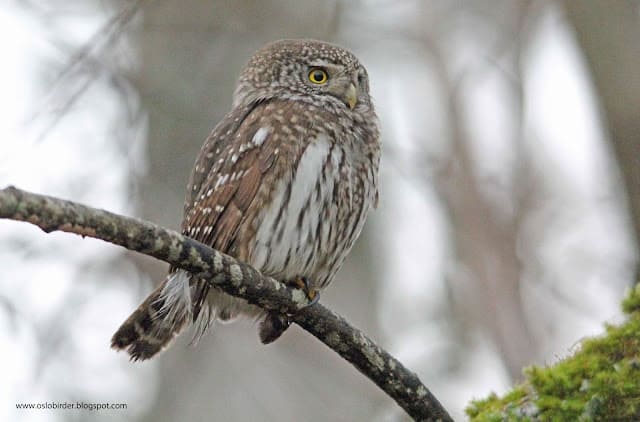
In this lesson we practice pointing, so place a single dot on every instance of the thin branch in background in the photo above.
(235, 278)
(84, 60)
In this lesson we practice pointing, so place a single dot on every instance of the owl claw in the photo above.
(300, 282)
(303, 284)
(274, 324)
(314, 297)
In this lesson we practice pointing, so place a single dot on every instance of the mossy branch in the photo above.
(600, 382)
(235, 278)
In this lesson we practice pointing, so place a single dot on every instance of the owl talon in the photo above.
(303, 284)
(274, 324)
(314, 297)
(300, 282)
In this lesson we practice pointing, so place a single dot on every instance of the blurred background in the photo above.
(507, 228)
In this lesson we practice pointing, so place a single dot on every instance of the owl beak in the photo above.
(351, 96)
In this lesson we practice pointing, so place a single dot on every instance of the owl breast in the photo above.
(314, 215)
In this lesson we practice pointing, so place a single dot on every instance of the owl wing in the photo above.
(236, 165)
(208, 157)
(233, 164)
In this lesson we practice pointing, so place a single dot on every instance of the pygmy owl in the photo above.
(284, 183)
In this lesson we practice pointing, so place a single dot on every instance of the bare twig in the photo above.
(235, 278)
(82, 67)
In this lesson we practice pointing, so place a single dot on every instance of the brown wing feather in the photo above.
(226, 197)
(207, 160)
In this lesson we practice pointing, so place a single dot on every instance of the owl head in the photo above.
(315, 72)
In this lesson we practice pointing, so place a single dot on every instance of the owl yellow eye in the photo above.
(318, 76)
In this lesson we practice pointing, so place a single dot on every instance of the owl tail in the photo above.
(163, 314)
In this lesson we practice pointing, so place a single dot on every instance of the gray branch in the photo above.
(235, 278)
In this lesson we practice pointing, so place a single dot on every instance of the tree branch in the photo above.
(235, 278)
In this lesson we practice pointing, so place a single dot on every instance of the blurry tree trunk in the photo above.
(486, 247)
(486, 237)
(609, 33)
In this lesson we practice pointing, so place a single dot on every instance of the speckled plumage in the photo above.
(284, 182)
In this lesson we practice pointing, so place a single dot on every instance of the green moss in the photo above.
(601, 381)
(632, 302)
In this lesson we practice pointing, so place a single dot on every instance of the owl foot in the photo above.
(275, 324)
(302, 283)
